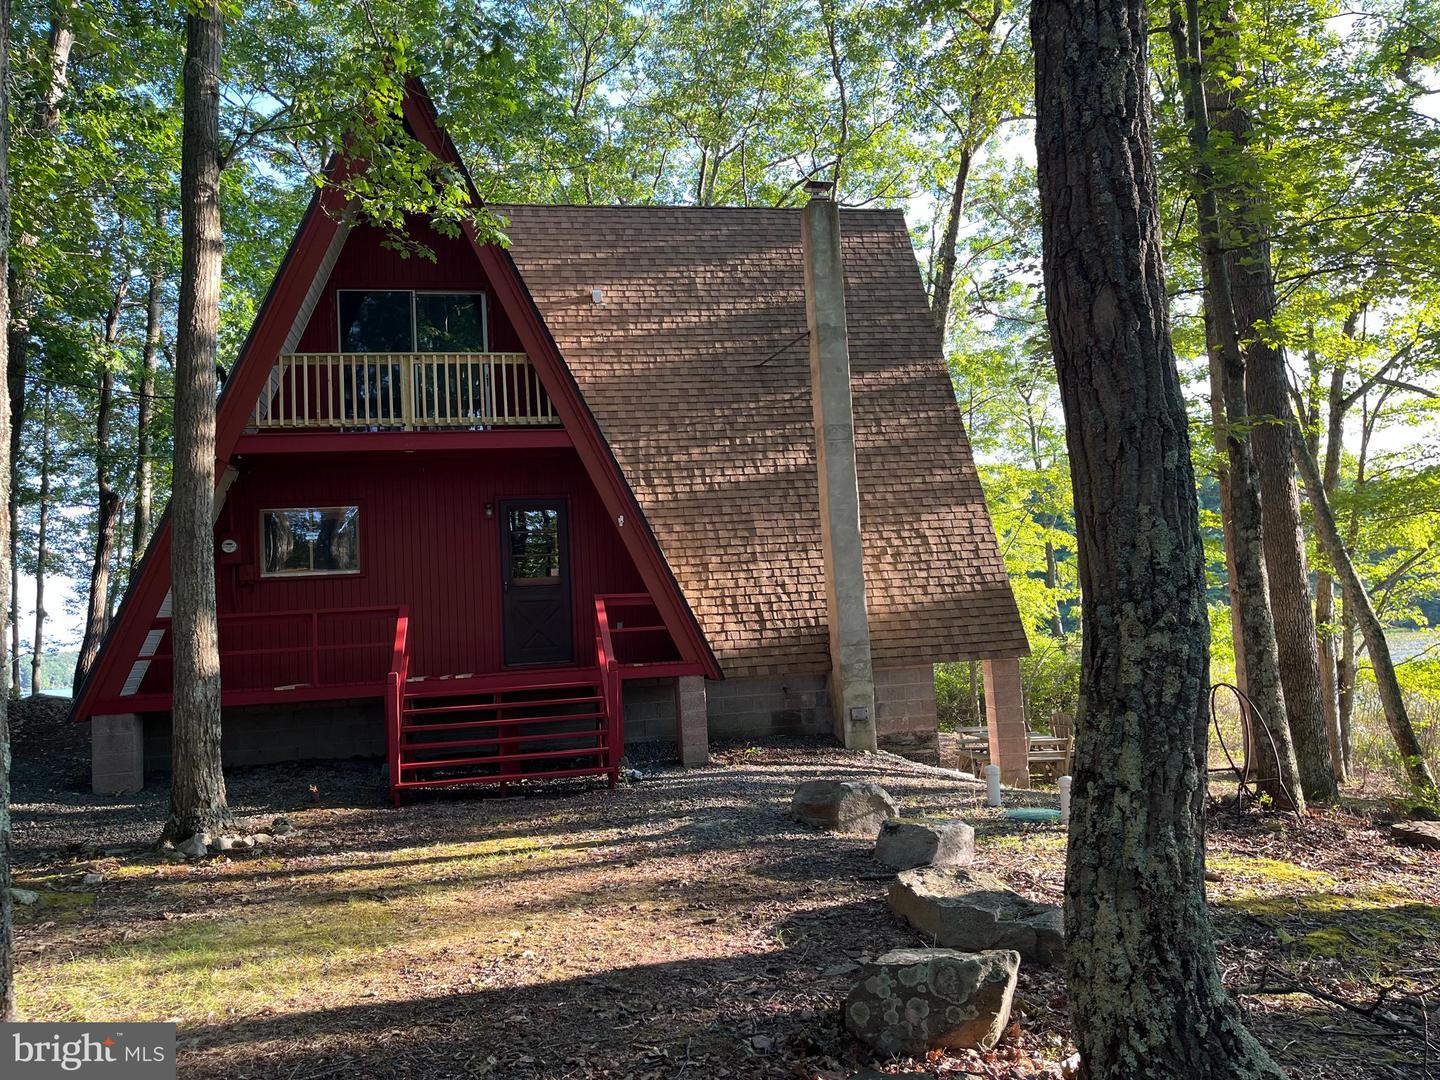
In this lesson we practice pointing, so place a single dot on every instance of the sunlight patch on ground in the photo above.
(1261, 875)
(317, 933)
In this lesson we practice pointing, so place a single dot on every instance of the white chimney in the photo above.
(852, 678)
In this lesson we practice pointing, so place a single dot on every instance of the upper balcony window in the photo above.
(402, 321)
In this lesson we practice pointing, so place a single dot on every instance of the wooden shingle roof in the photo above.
(695, 363)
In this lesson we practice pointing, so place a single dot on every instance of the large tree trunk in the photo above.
(1140, 956)
(42, 551)
(145, 423)
(1267, 400)
(1274, 768)
(197, 786)
(1397, 717)
(944, 283)
(7, 903)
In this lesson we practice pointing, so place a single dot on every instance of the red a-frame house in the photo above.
(492, 514)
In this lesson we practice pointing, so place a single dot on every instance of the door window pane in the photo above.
(534, 547)
(449, 322)
(305, 541)
(375, 321)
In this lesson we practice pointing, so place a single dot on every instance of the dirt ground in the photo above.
(680, 926)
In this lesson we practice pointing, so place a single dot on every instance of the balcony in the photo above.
(403, 392)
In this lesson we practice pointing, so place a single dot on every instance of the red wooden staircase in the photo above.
(536, 724)
(540, 726)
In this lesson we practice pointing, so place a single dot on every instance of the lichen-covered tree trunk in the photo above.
(1144, 987)
(197, 786)
(1272, 754)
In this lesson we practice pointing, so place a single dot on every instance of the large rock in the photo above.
(195, 847)
(903, 845)
(847, 806)
(1417, 833)
(963, 909)
(911, 1001)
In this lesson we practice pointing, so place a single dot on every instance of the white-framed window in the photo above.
(297, 541)
(407, 320)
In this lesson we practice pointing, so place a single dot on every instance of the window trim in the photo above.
(414, 319)
(285, 575)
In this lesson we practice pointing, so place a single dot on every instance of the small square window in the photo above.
(311, 541)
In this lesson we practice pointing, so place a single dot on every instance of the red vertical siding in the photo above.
(425, 542)
(366, 263)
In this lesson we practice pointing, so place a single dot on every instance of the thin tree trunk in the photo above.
(145, 422)
(1275, 773)
(1347, 668)
(1330, 681)
(1145, 990)
(1397, 717)
(42, 552)
(1267, 399)
(7, 903)
(1349, 665)
(197, 786)
(945, 275)
(1227, 514)
(107, 511)
(61, 41)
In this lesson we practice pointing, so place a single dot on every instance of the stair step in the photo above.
(504, 722)
(498, 778)
(456, 744)
(582, 678)
(497, 759)
(482, 706)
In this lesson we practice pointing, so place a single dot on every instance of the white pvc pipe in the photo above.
(1064, 800)
(992, 785)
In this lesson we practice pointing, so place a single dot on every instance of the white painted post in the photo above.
(992, 785)
(1064, 800)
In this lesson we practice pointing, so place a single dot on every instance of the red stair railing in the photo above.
(395, 696)
(610, 689)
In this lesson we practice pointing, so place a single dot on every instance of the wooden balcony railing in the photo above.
(403, 392)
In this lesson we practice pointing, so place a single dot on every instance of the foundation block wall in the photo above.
(264, 734)
(773, 705)
(649, 710)
(905, 713)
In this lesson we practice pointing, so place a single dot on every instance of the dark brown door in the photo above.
(535, 577)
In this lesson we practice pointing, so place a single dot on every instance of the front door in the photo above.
(535, 579)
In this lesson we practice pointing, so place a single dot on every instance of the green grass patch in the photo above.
(331, 934)
(1375, 929)
(1021, 841)
(1275, 873)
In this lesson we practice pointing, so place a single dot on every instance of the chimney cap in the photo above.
(819, 189)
